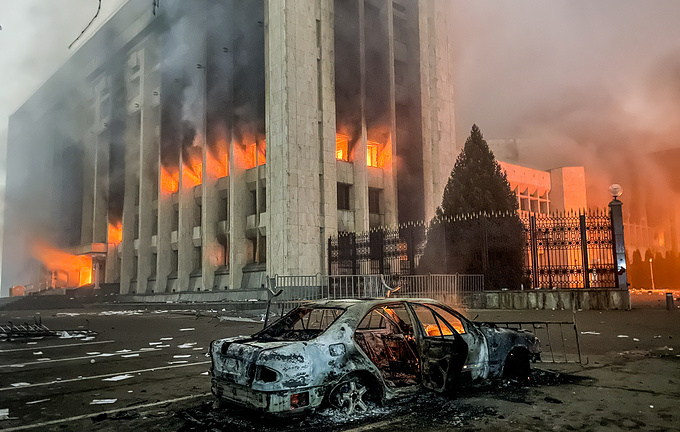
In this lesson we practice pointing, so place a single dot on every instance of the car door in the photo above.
(442, 351)
(477, 362)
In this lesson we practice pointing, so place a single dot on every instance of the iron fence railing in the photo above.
(560, 250)
(289, 291)
(559, 339)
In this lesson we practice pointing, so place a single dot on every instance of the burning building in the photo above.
(202, 145)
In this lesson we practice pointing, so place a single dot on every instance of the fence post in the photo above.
(584, 250)
(411, 252)
(485, 247)
(446, 241)
(330, 266)
(534, 250)
(381, 236)
(619, 246)
(354, 253)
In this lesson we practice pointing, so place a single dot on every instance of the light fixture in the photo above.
(616, 190)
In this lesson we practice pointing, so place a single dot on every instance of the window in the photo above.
(198, 258)
(300, 324)
(342, 147)
(372, 154)
(175, 217)
(263, 200)
(432, 325)
(343, 196)
(154, 263)
(374, 201)
(450, 318)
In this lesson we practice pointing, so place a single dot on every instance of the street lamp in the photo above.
(651, 272)
(616, 190)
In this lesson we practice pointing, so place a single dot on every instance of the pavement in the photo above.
(147, 370)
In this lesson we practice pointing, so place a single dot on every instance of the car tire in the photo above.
(350, 396)
(517, 365)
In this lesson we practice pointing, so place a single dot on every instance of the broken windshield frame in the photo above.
(300, 324)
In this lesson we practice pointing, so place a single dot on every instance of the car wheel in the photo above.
(349, 396)
(517, 365)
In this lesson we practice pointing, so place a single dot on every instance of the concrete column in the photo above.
(619, 244)
(148, 165)
(292, 137)
(100, 216)
(439, 149)
(389, 169)
(164, 250)
(194, 110)
(359, 195)
(326, 111)
(239, 245)
(89, 175)
(130, 208)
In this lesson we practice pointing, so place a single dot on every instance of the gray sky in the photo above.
(593, 82)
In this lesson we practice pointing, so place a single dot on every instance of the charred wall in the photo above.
(409, 142)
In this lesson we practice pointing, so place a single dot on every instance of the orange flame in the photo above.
(217, 159)
(251, 154)
(341, 147)
(378, 155)
(78, 268)
(192, 167)
(169, 181)
(115, 233)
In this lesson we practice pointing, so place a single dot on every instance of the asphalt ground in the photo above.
(146, 370)
(135, 359)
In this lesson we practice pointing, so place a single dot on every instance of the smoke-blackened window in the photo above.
(343, 196)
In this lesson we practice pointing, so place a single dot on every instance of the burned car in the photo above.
(344, 353)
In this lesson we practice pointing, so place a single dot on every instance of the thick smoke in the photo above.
(590, 83)
(222, 75)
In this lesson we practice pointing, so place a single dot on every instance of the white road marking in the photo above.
(55, 346)
(104, 376)
(103, 401)
(118, 377)
(113, 411)
(43, 361)
(37, 401)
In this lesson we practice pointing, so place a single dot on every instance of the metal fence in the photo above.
(289, 291)
(560, 250)
(559, 339)
(570, 250)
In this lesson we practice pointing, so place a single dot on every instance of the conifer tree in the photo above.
(477, 182)
(476, 229)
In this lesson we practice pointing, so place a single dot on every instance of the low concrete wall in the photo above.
(196, 296)
(550, 299)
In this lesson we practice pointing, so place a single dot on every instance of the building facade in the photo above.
(206, 146)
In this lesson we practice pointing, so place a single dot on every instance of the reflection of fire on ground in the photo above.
(66, 270)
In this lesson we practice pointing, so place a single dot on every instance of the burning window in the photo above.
(255, 154)
(372, 154)
(342, 147)
(115, 232)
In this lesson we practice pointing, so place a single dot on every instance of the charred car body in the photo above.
(346, 352)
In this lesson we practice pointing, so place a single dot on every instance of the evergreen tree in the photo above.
(477, 228)
(477, 182)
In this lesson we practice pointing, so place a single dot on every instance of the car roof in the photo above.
(367, 302)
